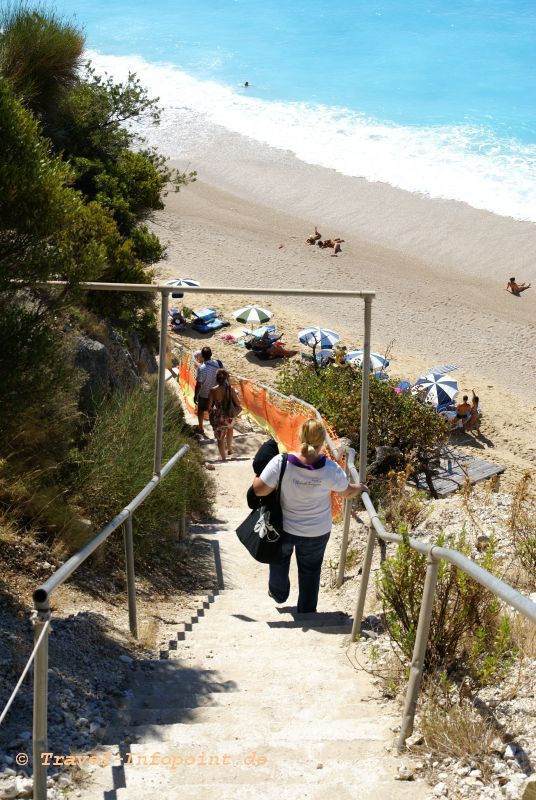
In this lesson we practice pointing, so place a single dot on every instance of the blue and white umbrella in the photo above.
(315, 336)
(437, 389)
(182, 282)
(377, 362)
(179, 283)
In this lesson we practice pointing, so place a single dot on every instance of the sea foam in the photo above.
(452, 162)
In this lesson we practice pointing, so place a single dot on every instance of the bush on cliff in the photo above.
(118, 462)
(396, 420)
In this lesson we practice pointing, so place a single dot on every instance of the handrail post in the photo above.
(363, 586)
(419, 650)
(344, 544)
(131, 576)
(40, 704)
(161, 382)
(345, 529)
(365, 385)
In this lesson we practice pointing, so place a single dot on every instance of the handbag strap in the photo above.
(284, 460)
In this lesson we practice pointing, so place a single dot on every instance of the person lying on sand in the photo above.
(266, 348)
(314, 237)
(516, 288)
(332, 242)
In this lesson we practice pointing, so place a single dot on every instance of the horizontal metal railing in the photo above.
(434, 555)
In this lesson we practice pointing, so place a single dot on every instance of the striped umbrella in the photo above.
(377, 362)
(182, 282)
(315, 336)
(438, 389)
(253, 315)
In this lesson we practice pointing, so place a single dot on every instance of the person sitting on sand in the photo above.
(473, 423)
(516, 288)
(314, 237)
(463, 409)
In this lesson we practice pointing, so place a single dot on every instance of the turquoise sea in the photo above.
(431, 96)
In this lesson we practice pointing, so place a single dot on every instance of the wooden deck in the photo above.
(455, 468)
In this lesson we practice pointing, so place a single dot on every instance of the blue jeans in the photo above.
(309, 555)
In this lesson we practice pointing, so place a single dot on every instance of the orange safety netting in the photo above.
(280, 416)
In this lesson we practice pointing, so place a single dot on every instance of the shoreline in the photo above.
(443, 233)
(428, 314)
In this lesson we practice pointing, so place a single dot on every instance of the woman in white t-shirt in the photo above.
(306, 490)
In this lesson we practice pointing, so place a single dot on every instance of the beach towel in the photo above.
(204, 314)
(209, 327)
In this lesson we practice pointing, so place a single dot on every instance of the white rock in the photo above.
(414, 740)
(440, 790)
(64, 780)
(8, 789)
(404, 774)
(475, 773)
(510, 752)
(24, 787)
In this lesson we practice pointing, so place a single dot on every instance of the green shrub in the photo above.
(468, 634)
(118, 462)
(523, 528)
(396, 420)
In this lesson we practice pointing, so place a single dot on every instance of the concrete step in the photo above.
(322, 710)
(162, 692)
(271, 730)
(339, 790)
(256, 762)
(246, 701)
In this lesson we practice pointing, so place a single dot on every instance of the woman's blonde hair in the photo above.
(312, 436)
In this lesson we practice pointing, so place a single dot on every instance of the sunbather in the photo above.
(463, 410)
(314, 237)
(516, 288)
(473, 423)
(266, 347)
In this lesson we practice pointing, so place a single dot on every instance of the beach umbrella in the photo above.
(315, 336)
(181, 282)
(377, 362)
(438, 389)
(442, 369)
(252, 315)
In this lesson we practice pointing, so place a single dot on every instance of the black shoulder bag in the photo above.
(260, 533)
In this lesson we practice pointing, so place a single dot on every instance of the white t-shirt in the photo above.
(306, 495)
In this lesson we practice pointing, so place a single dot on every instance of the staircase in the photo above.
(252, 700)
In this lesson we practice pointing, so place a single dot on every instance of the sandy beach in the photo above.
(439, 269)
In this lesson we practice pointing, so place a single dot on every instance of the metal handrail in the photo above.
(434, 556)
(42, 612)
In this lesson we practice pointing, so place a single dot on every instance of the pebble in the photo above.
(126, 659)
(510, 752)
(404, 774)
(440, 790)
